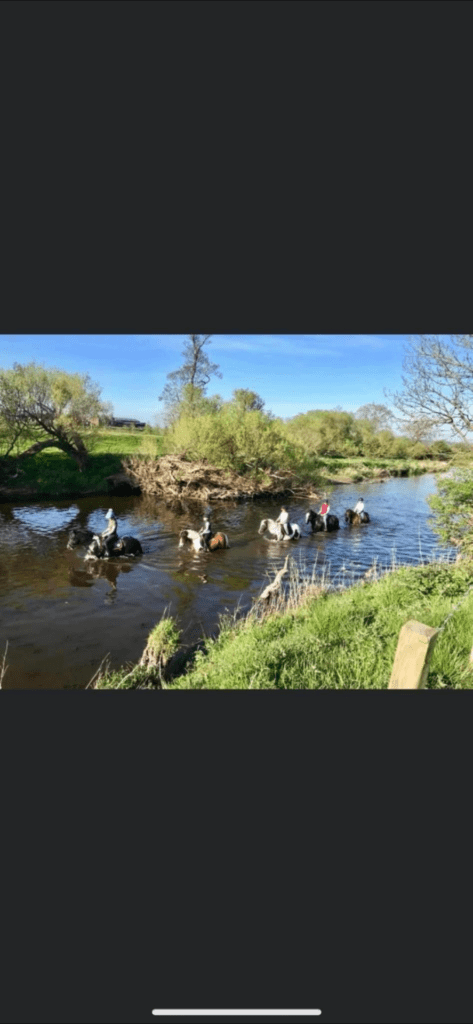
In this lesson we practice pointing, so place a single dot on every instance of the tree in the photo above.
(43, 407)
(190, 382)
(246, 400)
(453, 507)
(438, 382)
(419, 429)
(379, 416)
(326, 432)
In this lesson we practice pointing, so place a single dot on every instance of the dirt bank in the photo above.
(174, 477)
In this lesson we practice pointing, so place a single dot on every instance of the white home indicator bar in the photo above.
(236, 1013)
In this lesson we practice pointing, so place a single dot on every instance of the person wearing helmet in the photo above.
(283, 520)
(324, 511)
(109, 536)
(206, 532)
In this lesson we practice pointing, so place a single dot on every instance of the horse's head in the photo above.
(78, 536)
(349, 515)
(309, 516)
(191, 537)
(263, 526)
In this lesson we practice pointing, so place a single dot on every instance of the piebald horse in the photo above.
(124, 546)
(213, 541)
(219, 540)
(276, 530)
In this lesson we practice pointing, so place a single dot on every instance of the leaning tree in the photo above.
(44, 407)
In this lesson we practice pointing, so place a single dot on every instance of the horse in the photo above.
(124, 546)
(191, 537)
(355, 518)
(317, 523)
(276, 530)
(212, 541)
(219, 540)
(78, 536)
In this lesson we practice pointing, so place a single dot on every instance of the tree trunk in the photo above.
(78, 452)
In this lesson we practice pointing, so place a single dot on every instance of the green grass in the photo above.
(163, 643)
(360, 468)
(345, 640)
(52, 472)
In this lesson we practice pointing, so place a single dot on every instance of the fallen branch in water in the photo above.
(272, 588)
(4, 666)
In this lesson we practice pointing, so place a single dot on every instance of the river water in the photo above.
(62, 615)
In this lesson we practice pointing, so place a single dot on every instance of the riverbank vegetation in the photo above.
(318, 637)
(53, 473)
(48, 445)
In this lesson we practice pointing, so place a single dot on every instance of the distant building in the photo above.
(114, 422)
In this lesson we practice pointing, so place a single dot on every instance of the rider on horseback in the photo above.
(109, 536)
(283, 520)
(206, 532)
(324, 511)
(359, 506)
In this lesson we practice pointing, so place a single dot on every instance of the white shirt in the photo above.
(359, 506)
(283, 518)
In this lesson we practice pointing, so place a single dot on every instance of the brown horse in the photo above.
(356, 518)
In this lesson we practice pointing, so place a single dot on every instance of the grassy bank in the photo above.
(320, 639)
(354, 470)
(53, 473)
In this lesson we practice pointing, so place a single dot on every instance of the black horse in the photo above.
(355, 518)
(124, 546)
(317, 523)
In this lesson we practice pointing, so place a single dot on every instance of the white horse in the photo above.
(276, 530)
(191, 537)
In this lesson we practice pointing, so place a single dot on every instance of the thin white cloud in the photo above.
(303, 344)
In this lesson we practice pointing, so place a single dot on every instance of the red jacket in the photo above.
(325, 508)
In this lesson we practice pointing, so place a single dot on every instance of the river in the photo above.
(61, 615)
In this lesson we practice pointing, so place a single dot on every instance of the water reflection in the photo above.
(45, 520)
(90, 571)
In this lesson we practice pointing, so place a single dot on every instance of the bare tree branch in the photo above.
(437, 383)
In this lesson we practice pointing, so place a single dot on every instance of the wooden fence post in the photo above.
(411, 662)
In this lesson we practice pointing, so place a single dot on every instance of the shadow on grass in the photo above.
(54, 473)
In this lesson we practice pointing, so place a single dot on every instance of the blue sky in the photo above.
(292, 372)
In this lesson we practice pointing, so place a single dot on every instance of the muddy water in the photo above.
(62, 615)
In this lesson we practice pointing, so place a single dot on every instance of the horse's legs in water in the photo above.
(108, 544)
